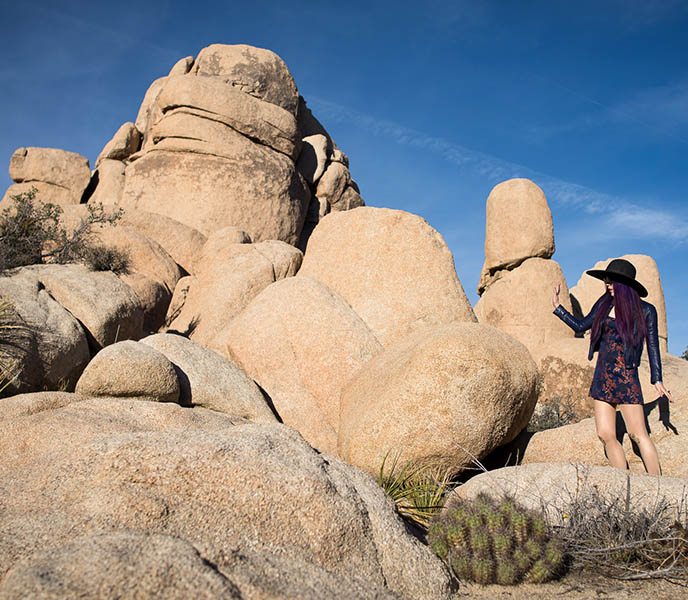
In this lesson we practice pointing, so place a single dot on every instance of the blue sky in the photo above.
(434, 102)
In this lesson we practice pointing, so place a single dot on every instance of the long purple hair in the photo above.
(630, 321)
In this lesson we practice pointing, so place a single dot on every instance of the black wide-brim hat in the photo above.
(622, 271)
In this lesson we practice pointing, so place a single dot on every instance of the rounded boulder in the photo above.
(447, 392)
(130, 369)
(395, 271)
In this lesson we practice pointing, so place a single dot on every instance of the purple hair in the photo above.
(630, 321)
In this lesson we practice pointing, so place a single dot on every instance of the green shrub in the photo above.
(496, 542)
(104, 258)
(31, 233)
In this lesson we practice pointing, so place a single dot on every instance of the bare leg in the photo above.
(605, 421)
(635, 424)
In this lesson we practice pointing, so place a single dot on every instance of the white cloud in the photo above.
(622, 218)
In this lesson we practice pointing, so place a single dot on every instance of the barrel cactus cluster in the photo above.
(502, 542)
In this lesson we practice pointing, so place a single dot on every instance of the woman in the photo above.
(620, 322)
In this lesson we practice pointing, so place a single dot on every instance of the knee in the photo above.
(636, 437)
(607, 436)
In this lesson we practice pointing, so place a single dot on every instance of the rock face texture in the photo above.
(301, 343)
(589, 289)
(220, 145)
(519, 303)
(244, 493)
(447, 392)
(394, 270)
(518, 226)
(60, 177)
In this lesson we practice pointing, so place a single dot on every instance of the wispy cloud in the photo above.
(660, 111)
(621, 217)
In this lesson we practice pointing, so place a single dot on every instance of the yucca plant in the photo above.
(8, 323)
(417, 487)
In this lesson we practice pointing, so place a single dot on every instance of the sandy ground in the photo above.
(578, 586)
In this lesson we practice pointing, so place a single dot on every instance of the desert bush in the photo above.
(553, 413)
(104, 258)
(31, 233)
(605, 533)
(502, 542)
(418, 488)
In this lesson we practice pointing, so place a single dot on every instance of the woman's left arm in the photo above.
(653, 352)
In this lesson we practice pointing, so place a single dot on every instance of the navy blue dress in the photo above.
(612, 381)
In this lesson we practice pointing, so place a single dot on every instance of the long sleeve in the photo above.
(574, 323)
(653, 345)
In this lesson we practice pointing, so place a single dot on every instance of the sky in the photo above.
(434, 102)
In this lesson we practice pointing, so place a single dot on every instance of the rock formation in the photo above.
(518, 275)
(59, 176)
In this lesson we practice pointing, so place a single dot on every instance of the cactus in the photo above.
(496, 542)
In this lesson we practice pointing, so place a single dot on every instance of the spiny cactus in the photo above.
(496, 542)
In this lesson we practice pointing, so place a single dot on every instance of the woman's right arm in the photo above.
(574, 323)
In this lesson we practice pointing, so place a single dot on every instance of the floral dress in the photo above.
(612, 381)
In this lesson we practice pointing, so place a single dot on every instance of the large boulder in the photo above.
(207, 379)
(251, 489)
(395, 271)
(104, 566)
(452, 392)
(518, 226)
(519, 303)
(578, 442)
(588, 289)
(106, 307)
(301, 343)
(558, 486)
(124, 143)
(228, 276)
(255, 71)
(60, 177)
(43, 346)
(130, 369)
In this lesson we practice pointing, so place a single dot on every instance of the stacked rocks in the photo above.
(518, 275)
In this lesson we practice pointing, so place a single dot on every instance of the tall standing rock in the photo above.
(394, 270)
(589, 289)
(518, 226)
